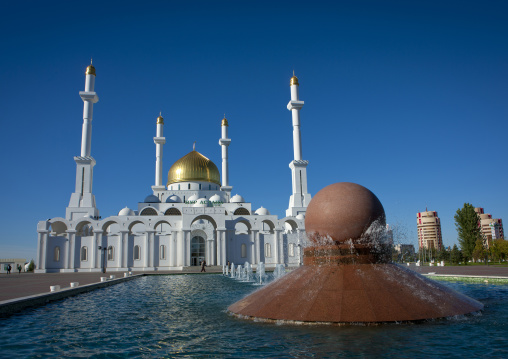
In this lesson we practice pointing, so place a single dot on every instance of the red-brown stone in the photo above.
(354, 293)
(342, 211)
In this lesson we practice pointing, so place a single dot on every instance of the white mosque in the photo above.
(191, 219)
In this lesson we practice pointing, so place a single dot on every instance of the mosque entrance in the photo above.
(197, 250)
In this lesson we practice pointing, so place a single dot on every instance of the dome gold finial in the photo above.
(294, 80)
(160, 119)
(194, 146)
(90, 70)
(224, 121)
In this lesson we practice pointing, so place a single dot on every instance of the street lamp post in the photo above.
(103, 250)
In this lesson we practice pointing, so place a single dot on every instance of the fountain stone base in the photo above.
(354, 293)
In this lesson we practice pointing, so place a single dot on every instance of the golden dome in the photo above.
(90, 70)
(293, 80)
(224, 121)
(193, 167)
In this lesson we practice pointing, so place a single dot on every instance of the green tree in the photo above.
(500, 249)
(455, 255)
(479, 252)
(468, 229)
(443, 255)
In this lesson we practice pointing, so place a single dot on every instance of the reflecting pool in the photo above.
(185, 316)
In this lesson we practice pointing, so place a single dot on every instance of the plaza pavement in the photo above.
(470, 270)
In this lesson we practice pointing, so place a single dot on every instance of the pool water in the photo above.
(186, 316)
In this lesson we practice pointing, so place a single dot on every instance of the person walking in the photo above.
(203, 265)
(9, 269)
(19, 268)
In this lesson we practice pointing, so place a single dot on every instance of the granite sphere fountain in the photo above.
(347, 276)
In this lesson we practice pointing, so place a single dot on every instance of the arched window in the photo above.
(148, 211)
(200, 186)
(241, 212)
(56, 254)
(291, 249)
(111, 253)
(163, 252)
(137, 253)
(189, 186)
(173, 212)
(84, 254)
(268, 250)
(244, 250)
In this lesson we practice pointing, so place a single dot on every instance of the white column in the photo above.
(149, 250)
(218, 247)
(276, 255)
(71, 236)
(232, 245)
(224, 247)
(300, 246)
(213, 247)
(181, 248)
(42, 242)
(257, 248)
(97, 260)
(185, 249)
(253, 253)
(224, 143)
(172, 249)
(123, 249)
(221, 255)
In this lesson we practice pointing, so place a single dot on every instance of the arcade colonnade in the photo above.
(154, 243)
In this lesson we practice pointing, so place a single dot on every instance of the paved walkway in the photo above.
(470, 270)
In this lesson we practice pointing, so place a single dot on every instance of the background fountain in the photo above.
(232, 270)
(248, 271)
(279, 271)
(260, 273)
(347, 277)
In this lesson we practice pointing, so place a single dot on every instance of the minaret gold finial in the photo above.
(160, 120)
(90, 70)
(294, 80)
(224, 121)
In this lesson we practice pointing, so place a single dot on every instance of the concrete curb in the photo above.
(11, 306)
(467, 278)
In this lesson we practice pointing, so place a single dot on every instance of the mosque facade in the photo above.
(193, 217)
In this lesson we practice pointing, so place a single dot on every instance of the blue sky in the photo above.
(407, 98)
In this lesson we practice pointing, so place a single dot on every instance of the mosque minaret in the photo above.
(224, 144)
(159, 141)
(82, 201)
(193, 217)
(300, 199)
